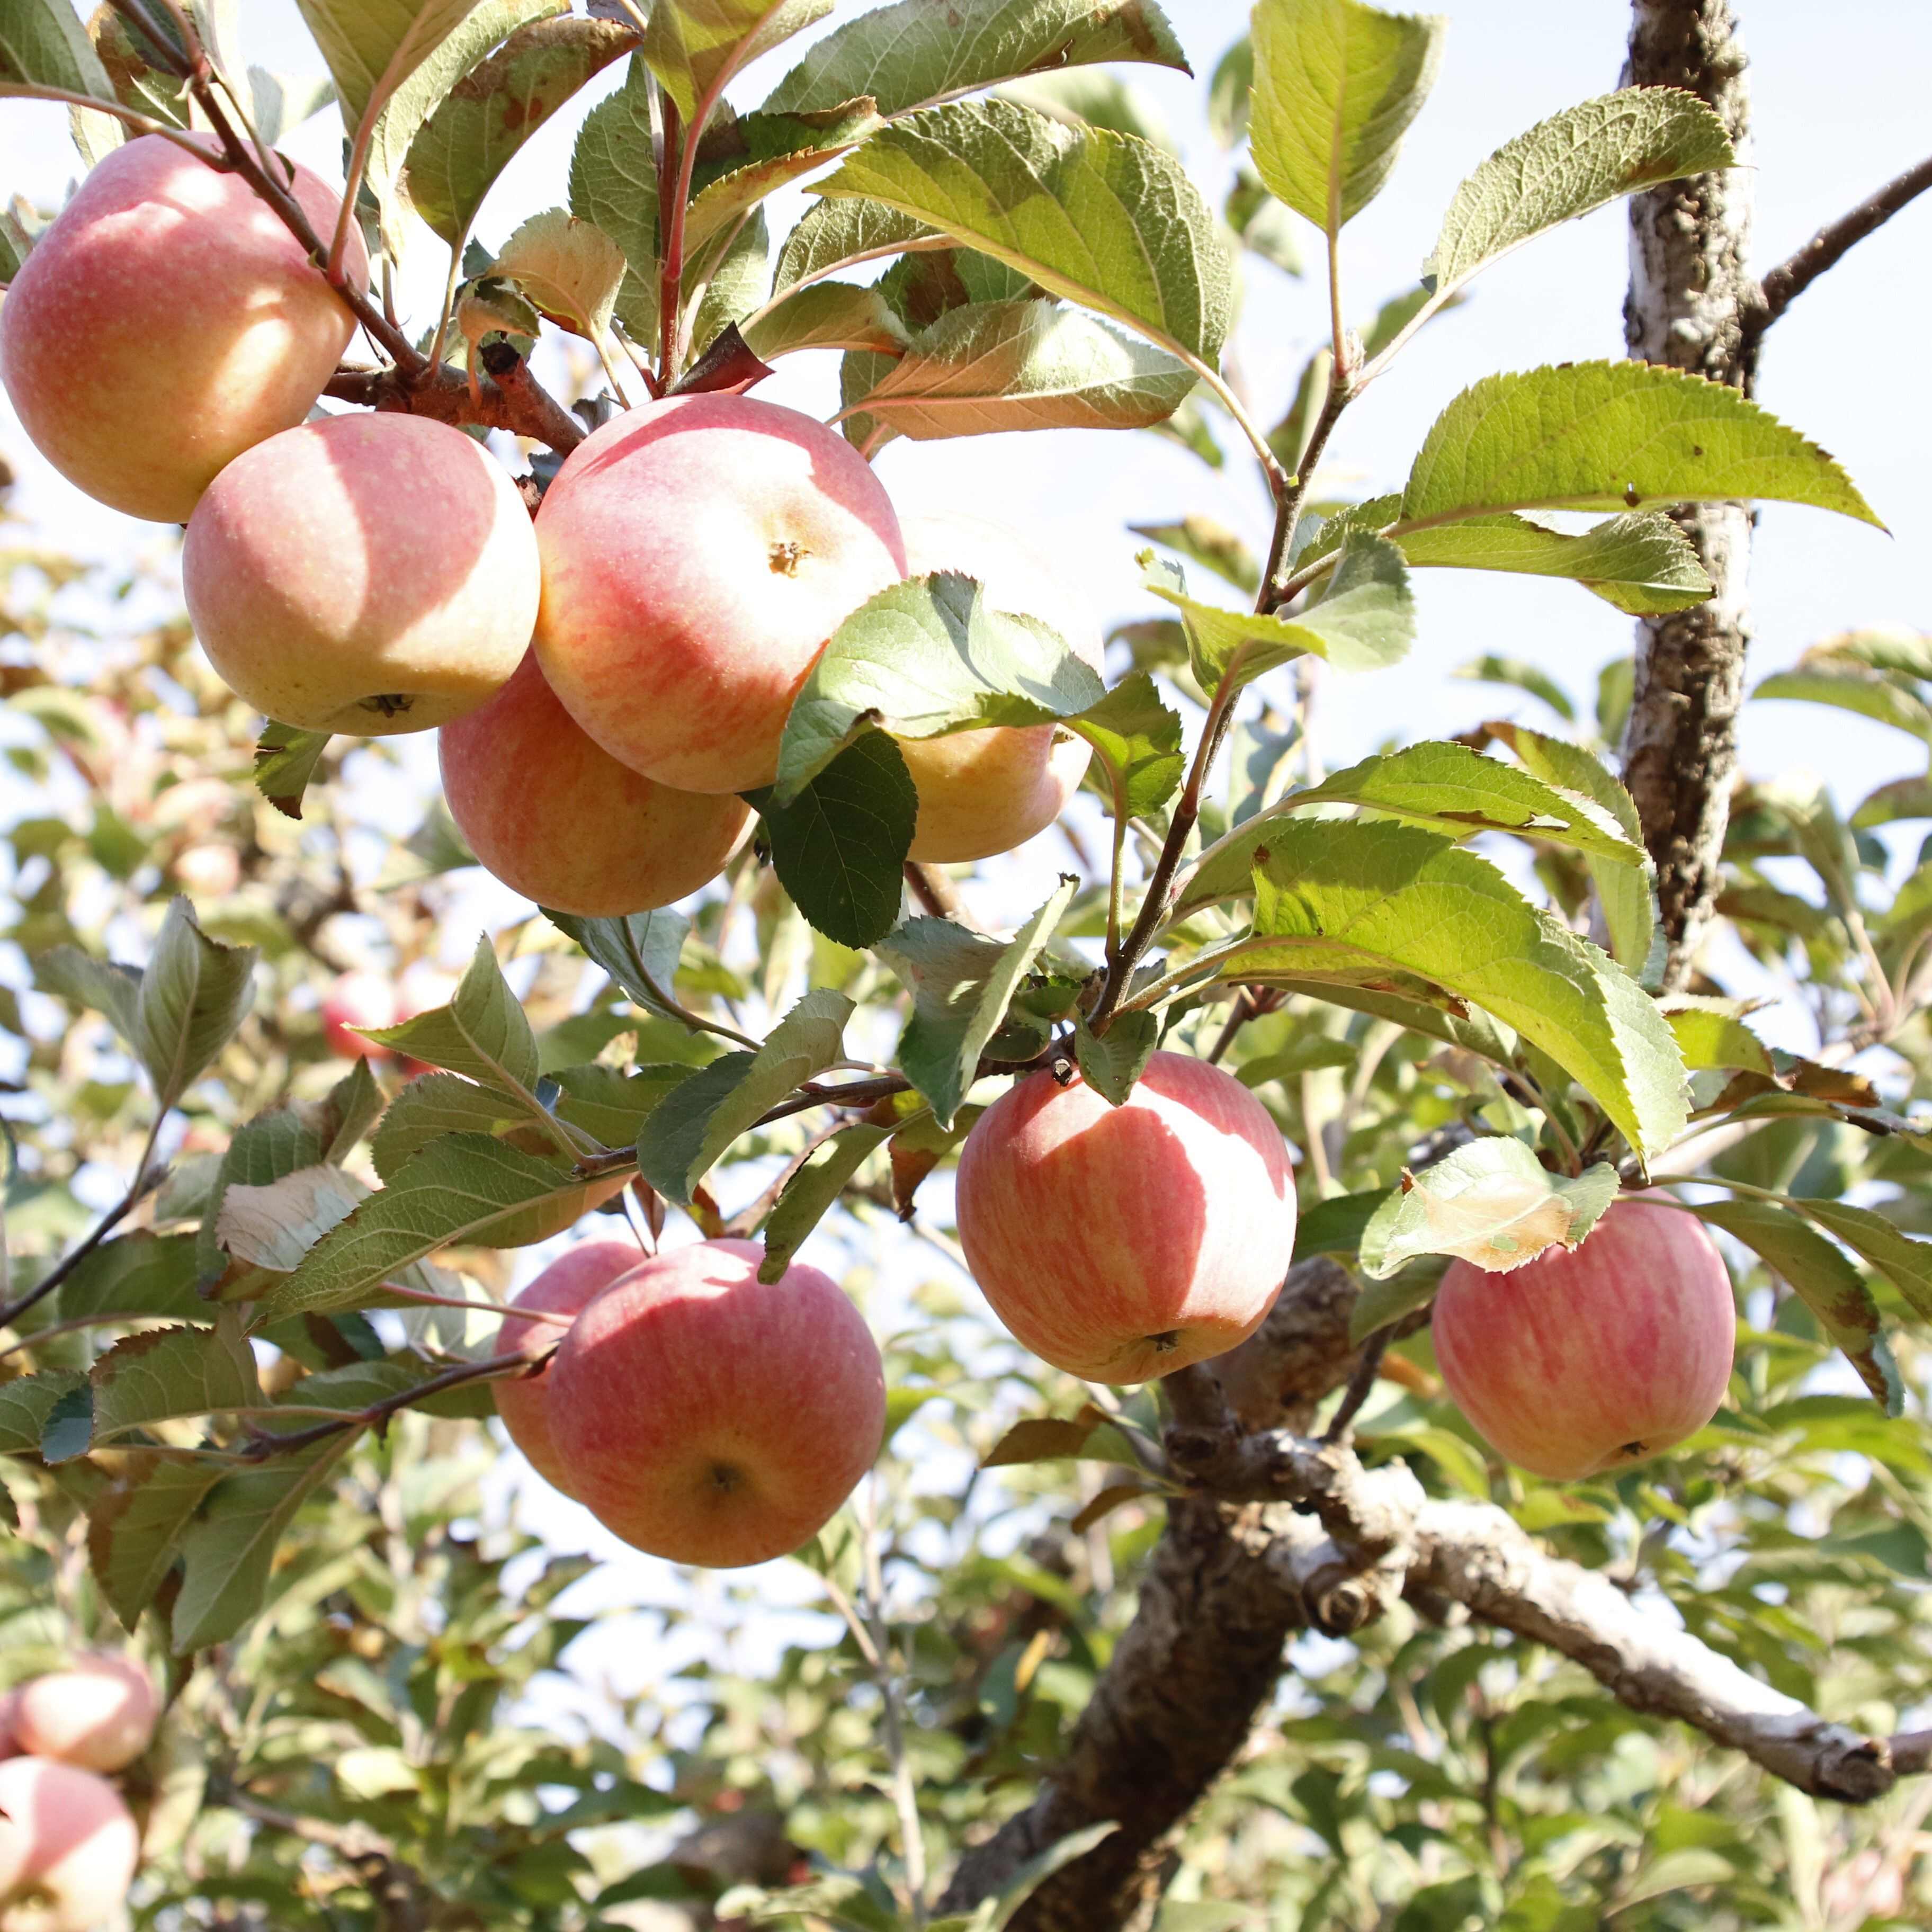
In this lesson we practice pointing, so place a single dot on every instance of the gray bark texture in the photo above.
(1690, 307)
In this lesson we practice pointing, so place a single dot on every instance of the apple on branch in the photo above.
(99, 1714)
(68, 1848)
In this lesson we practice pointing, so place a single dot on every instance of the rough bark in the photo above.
(1690, 294)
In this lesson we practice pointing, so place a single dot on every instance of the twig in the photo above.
(937, 893)
(1789, 279)
(512, 399)
(378, 1413)
(1360, 1383)
(892, 1692)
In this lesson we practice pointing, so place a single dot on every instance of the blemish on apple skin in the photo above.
(786, 558)
(390, 703)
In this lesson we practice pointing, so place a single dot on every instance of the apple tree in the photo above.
(1357, 1386)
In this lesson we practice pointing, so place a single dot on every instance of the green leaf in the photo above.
(1905, 1263)
(1712, 1034)
(1902, 798)
(1100, 99)
(992, 367)
(907, 55)
(1038, 1439)
(1492, 1203)
(569, 267)
(25, 1403)
(1214, 547)
(1348, 901)
(1335, 1226)
(494, 108)
(612, 1105)
(194, 995)
(1103, 219)
(1611, 435)
(43, 43)
(745, 158)
(962, 983)
(740, 279)
(1869, 693)
(167, 1372)
(1138, 740)
(830, 315)
(103, 986)
(272, 1227)
(1382, 1304)
(688, 1131)
(1822, 1279)
(834, 235)
(372, 46)
(1266, 227)
(1363, 620)
(461, 1188)
(228, 1550)
(839, 850)
(1229, 89)
(640, 952)
(140, 1274)
(694, 46)
(285, 761)
(284, 1141)
(613, 184)
(1493, 668)
(1336, 86)
(135, 1527)
(925, 657)
(1575, 161)
(1111, 1062)
(810, 1193)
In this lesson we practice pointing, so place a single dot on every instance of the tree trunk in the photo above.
(1690, 295)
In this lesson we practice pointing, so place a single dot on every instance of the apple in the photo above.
(166, 322)
(10, 1738)
(355, 1000)
(99, 1714)
(696, 554)
(984, 792)
(562, 1288)
(550, 813)
(1585, 1359)
(369, 573)
(1121, 1243)
(708, 1417)
(68, 1848)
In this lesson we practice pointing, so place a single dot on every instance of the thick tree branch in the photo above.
(1690, 289)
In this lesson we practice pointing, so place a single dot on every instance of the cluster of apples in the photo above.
(607, 680)
(68, 1846)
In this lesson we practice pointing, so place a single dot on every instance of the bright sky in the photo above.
(1839, 95)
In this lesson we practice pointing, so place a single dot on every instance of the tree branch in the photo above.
(511, 399)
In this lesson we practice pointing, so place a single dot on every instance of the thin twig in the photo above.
(936, 893)
(1360, 1383)
(1789, 279)
(378, 1413)
(891, 1692)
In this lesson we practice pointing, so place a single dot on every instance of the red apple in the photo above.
(357, 999)
(1121, 1243)
(564, 1288)
(984, 792)
(696, 554)
(68, 1848)
(368, 573)
(1585, 1359)
(706, 1416)
(556, 817)
(165, 323)
(99, 1714)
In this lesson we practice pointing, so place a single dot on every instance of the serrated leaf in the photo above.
(194, 993)
(135, 1527)
(1102, 219)
(1363, 620)
(1823, 1279)
(694, 46)
(907, 55)
(682, 1139)
(1038, 1438)
(834, 235)
(104, 986)
(745, 158)
(992, 367)
(826, 315)
(1869, 693)
(1494, 668)
(613, 184)
(1575, 161)
(1212, 545)
(172, 1371)
(1099, 98)
(611, 1104)
(140, 1274)
(494, 107)
(1708, 1035)
(569, 267)
(285, 761)
(810, 1193)
(1491, 1203)
(1336, 86)
(282, 102)
(27, 1401)
(281, 1142)
(1357, 902)
(1265, 226)
(1111, 1062)
(372, 46)
(461, 1188)
(961, 984)
(839, 849)
(43, 44)
(1137, 741)
(640, 952)
(739, 284)
(137, 82)
(925, 657)
(1612, 435)
(1902, 798)
(272, 1227)
(1905, 1263)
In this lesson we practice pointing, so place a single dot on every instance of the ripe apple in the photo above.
(166, 322)
(556, 817)
(562, 1289)
(696, 554)
(1121, 1243)
(368, 573)
(68, 1848)
(707, 1417)
(99, 1714)
(984, 792)
(1584, 1360)
(357, 999)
